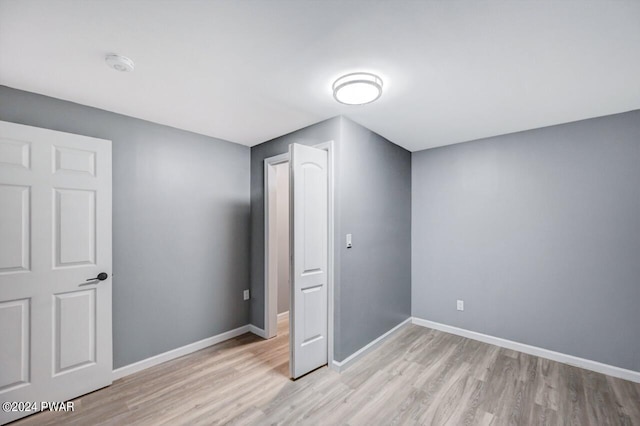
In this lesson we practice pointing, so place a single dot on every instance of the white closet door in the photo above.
(309, 215)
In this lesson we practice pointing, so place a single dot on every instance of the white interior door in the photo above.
(309, 226)
(55, 234)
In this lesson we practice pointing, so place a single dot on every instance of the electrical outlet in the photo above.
(460, 305)
(246, 294)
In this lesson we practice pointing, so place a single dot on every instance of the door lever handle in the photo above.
(101, 277)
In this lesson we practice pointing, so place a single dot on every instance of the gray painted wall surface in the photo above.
(373, 202)
(180, 224)
(539, 233)
(375, 207)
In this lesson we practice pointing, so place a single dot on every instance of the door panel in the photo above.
(309, 216)
(74, 161)
(14, 153)
(14, 228)
(55, 234)
(75, 213)
(314, 250)
(74, 330)
(312, 326)
(14, 351)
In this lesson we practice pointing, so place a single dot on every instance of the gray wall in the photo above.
(375, 206)
(539, 233)
(373, 202)
(180, 224)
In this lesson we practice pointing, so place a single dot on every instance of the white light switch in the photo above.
(460, 305)
(245, 294)
(349, 245)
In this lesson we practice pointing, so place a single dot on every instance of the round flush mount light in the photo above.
(119, 63)
(357, 88)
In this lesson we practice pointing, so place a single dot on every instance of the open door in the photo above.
(309, 215)
(55, 267)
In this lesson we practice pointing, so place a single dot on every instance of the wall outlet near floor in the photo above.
(460, 305)
(245, 294)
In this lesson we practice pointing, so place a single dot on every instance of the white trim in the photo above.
(350, 360)
(633, 376)
(283, 315)
(270, 293)
(118, 373)
(330, 148)
(257, 331)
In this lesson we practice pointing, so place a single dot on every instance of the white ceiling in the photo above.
(248, 71)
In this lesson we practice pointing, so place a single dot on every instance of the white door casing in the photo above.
(271, 246)
(309, 243)
(55, 233)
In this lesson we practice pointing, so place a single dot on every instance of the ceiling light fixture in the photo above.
(119, 63)
(357, 88)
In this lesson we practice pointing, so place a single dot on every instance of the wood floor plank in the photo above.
(418, 376)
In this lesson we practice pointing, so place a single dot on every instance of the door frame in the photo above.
(270, 258)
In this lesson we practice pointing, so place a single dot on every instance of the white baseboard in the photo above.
(633, 376)
(178, 352)
(257, 331)
(283, 315)
(347, 362)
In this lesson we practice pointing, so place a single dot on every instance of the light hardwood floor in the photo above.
(419, 376)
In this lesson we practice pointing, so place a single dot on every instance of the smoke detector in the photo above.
(119, 62)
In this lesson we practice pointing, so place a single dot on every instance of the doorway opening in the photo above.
(280, 255)
(281, 241)
(279, 283)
